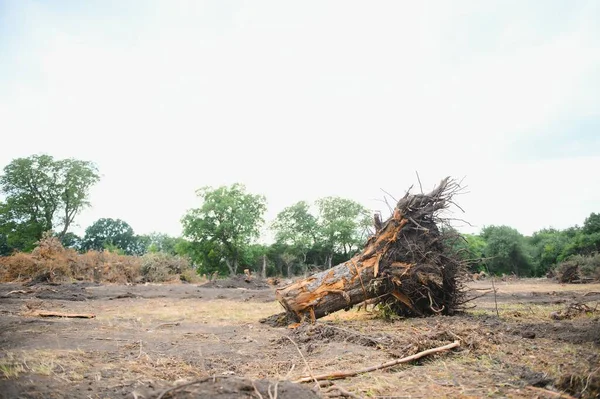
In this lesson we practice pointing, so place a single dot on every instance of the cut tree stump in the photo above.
(407, 265)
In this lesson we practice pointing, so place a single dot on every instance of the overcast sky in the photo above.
(301, 100)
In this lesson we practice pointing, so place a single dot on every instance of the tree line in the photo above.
(221, 235)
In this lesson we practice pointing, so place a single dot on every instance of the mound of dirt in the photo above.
(230, 387)
(239, 281)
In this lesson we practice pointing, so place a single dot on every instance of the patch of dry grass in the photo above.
(151, 311)
(75, 365)
(65, 364)
(533, 285)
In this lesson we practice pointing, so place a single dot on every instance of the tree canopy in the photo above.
(43, 194)
(222, 228)
(343, 224)
(296, 227)
(505, 251)
(107, 233)
(160, 242)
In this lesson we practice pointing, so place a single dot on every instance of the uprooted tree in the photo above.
(406, 265)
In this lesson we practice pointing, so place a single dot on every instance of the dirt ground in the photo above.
(147, 339)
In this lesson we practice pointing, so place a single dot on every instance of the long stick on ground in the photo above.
(42, 313)
(343, 374)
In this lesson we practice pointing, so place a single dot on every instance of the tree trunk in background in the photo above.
(263, 273)
(231, 266)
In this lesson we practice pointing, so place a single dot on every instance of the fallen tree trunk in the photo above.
(406, 264)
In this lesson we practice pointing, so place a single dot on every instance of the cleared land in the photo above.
(147, 338)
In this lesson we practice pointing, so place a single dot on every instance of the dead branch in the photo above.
(305, 362)
(344, 374)
(18, 292)
(43, 313)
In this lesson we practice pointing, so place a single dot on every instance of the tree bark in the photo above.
(328, 291)
(405, 263)
(232, 266)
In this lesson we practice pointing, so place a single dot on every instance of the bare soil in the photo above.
(149, 340)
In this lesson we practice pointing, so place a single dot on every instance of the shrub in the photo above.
(116, 268)
(159, 267)
(17, 267)
(50, 261)
(579, 267)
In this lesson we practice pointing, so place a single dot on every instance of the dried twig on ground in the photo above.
(19, 292)
(43, 313)
(343, 374)
(311, 377)
(573, 310)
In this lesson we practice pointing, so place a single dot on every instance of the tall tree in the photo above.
(583, 240)
(505, 251)
(160, 242)
(591, 224)
(224, 225)
(546, 247)
(19, 232)
(108, 233)
(71, 240)
(343, 224)
(297, 228)
(43, 194)
(469, 247)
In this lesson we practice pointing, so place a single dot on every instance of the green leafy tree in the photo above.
(343, 226)
(591, 225)
(296, 228)
(5, 249)
(160, 242)
(547, 245)
(255, 258)
(505, 251)
(583, 240)
(111, 234)
(222, 228)
(19, 233)
(71, 240)
(469, 247)
(43, 194)
(581, 244)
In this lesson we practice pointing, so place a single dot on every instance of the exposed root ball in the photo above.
(406, 265)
